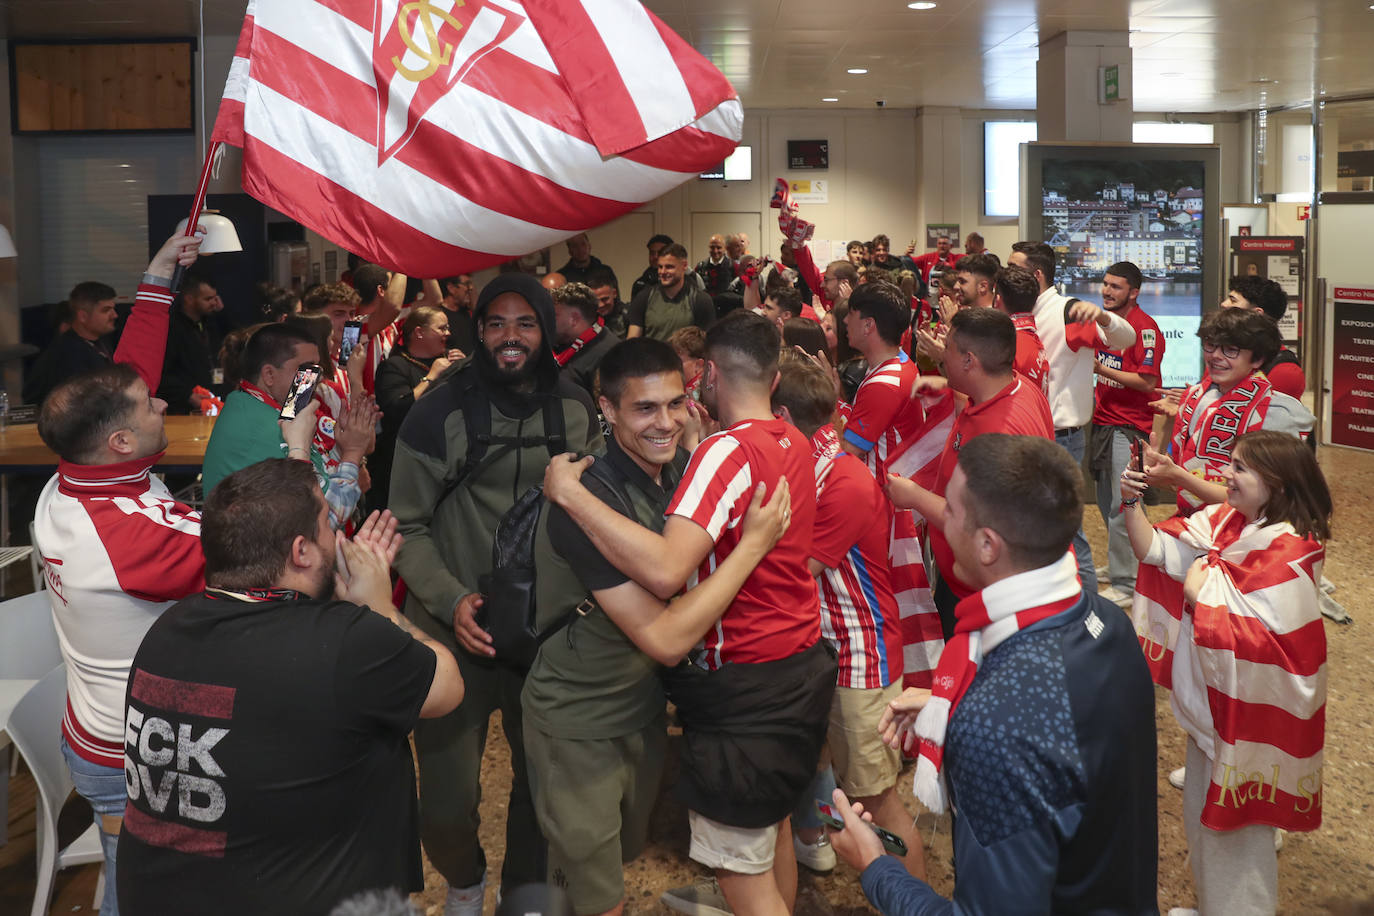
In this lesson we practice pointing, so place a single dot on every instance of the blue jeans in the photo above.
(822, 788)
(104, 788)
(1074, 441)
(1121, 561)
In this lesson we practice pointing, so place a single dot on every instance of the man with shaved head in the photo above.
(717, 270)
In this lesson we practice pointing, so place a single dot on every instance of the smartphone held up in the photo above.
(302, 390)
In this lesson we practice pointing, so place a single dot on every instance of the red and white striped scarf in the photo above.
(917, 457)
(1261, 647)
(983, 621)
(565, 355)
(1203, 440)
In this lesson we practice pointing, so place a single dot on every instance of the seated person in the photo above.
(288, 689)
(82, 345)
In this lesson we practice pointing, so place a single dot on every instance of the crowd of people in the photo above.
(830, 513)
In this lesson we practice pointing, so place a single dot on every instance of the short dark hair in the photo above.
(788, 299)
(1242, 328)
(1026, 489)
(976, 237)
(320, 329)
(887, 305)
(1298, 493)
(1039, 256)
(983, 264)
(578, 296)
(988, 334)
(603, 276)
(675, 250)
(745, 346)
(80, 413)
(806, 391)
(1128, 272)
(270, 345)
(635, 358)
(366, 279)
(658, 239)
(277, 303)
(1018, 289)
(88, 295)
(878, 275)
(252, 517)
(881, 239)
(804, 333)
(195, 279)
(1262, 293)
(855, 243)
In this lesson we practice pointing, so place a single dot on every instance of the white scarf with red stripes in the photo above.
(983, 621)
(1260, 645)
(1203, 439)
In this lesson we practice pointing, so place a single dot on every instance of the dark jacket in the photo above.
(448, 540)
(574, 274)
(582, 367)
(68, 355)
(397, 377)
(192, 355)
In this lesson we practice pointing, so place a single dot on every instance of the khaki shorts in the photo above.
(744, 850)
(593, 799)
(864, 765)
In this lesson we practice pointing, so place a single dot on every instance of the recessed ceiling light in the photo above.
(921, 5)
(829, 100)
(857, 71)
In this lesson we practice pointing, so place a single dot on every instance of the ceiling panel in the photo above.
(1208, 54)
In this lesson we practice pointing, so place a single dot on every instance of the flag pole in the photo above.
(197, 205)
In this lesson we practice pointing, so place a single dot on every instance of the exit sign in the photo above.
(1109, 84)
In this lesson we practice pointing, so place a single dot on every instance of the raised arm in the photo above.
(143, 345)
(660, 563)
(1132, 380)
(665, 632)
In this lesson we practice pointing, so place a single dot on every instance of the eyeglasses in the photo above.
(1227, 351)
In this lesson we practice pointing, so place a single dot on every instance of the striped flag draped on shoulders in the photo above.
(442, 136)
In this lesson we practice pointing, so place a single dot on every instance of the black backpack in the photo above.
(508, 609)
(480, 455)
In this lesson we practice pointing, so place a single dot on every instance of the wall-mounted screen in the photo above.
(1155, 206)
(808, 154)
(738, 166)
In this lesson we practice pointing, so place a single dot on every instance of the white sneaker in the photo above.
(1117, 596)
(1278, 838)
(1182, 911)
(703, 898)
(818, 856)
(1101, 573)
(1177, 776)
(466, 901)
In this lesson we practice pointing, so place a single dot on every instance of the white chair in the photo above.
(35, 726)
(28, 650)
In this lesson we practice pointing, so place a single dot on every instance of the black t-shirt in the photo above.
(268, 764)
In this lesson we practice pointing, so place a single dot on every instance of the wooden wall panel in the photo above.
(126, 86)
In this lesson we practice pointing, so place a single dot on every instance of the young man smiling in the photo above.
(593, 701)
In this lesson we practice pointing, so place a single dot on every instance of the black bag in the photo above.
(508, 609)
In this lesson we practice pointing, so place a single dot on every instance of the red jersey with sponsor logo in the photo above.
(777, 612)
(859, 611)
(1019, 410)
(885, 414)
(1114, 403)
(1030, 352)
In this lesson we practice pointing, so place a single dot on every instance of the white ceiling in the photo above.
(1190, 55)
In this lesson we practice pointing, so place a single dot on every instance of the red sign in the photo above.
(1283, 243)
(1304, 211)
(1352, 370)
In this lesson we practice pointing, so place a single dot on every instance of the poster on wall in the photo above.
(810, 190)
(935, 230)
(1352, 367)
(1095, 213)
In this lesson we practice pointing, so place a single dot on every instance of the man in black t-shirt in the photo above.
(267, 764)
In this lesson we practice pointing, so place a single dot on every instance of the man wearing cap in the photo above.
(468, 449)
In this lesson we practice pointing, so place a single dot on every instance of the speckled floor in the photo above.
(1326, 871)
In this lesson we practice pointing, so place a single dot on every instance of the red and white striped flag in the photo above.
(441, 136)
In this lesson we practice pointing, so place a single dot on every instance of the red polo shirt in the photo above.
(1019, 410)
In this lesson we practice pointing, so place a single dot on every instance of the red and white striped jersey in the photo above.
(776, 613)
(858, 610)
(886, 413)
(438, 138)
(378, 349)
